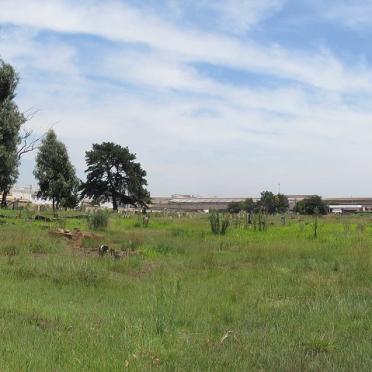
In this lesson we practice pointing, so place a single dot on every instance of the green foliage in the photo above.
(219, 225)
(8, 82)
(55, 173)
(248, 205)
(189, 301)
(42, 246)
(268, 203)
(11, 120)
(272, 204)
(99, 219)
(260, 221)
(282, 203)
(234, 207)
(311, 206)
(315, 226)
(113, 175)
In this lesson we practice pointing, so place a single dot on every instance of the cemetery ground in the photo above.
(177, 297)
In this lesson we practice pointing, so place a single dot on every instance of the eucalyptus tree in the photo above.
(55, 173)
(11, 121)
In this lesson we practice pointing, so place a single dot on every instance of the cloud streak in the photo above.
(131, 74)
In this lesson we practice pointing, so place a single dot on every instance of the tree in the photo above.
(282, 203)
(248, 205)
(234, 207)
(113, 175)
(55, 173)
(11, 121)
(311, 205)
(268, 202)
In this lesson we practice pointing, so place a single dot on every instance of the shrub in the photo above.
(98, 220)
(143, 220)
(313, 205)
(219, 225)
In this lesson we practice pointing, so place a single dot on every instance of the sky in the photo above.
(216, 97)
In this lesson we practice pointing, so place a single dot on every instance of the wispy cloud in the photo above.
(117, 21)
(131, 73)
(232, 16)
(355, 14)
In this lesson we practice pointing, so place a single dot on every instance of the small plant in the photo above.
(219, 225)
(98, 220)
(143, 220)
(315, 227)
(260, 221)
(347, 228)
(361, 227)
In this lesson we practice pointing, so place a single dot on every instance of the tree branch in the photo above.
(28, 143)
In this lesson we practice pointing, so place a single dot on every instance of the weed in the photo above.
(99, 220)
(219, 225)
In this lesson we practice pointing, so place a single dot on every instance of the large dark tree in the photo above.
(55, 173)
(268, 202)
(282, 203)
(11, 120)
(234, 207)
(248, 205)
(312, 205)
(113, 175)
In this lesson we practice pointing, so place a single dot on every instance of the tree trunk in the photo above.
(3, 199)
(114, 203)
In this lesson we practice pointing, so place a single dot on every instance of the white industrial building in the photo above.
(341, 209)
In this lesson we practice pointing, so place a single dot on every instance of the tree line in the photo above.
(112, 172)
(272, 204)
(268, 203)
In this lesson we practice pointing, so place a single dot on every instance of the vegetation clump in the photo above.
(313, 205)
(219, 225)
(268, 203)
(98, 220)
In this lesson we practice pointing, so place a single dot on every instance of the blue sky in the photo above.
(216, 97)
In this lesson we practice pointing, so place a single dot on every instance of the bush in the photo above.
(219, 225)
(98, 220)
(313, 205)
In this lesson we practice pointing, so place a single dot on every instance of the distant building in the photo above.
(195, 204)
(365, 204)
(341, 209)
(191, 203)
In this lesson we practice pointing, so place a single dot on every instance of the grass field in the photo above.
(183, 299)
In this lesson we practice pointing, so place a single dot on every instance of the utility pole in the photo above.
(279, 188)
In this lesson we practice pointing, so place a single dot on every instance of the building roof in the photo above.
(206, 200)
(346, 206)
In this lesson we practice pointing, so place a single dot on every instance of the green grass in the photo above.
(183, 299)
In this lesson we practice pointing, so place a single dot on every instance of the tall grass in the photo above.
(99, 220)
(185, 299)
(219, 225)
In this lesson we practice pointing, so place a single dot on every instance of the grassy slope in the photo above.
(277, 300)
